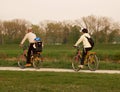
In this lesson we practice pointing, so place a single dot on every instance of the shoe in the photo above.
(28, 65)
(80, 66)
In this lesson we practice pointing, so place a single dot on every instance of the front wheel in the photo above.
(93, 62)
(75, 63)
(21, 61)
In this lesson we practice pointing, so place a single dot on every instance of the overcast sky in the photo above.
(36, 11)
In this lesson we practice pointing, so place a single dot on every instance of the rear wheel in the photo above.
(37, 62)
(76, 63)
(93, 62)
(21, 61)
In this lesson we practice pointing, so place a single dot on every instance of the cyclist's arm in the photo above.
(23, 40)
(79, 41)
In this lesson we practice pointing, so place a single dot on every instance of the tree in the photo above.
(114, 36)
(1, 33)
(74, 34)
(54, 33)
(95, 25)
(14, 30)
(66, 31)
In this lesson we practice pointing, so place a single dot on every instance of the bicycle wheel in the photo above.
(21, 61)
(37, 62)
(76, 63)
(93, 62)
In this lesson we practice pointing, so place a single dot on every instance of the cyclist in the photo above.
(86, 45)
(30, 36)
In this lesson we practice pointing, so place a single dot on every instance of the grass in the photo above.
(60, 56)
(104, 51)
(14, 81)
(108, 51)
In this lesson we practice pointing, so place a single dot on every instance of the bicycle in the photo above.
(91, 60)
(36, 59)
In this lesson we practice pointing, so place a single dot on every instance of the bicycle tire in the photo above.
(76, 63)
(37, 61)
(21, 61)
(93, 62)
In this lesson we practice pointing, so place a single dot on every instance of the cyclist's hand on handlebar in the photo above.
(75, 46)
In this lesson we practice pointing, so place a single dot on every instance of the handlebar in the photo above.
(77, 47)
(24, 47)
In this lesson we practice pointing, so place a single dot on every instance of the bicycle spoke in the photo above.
(37, 62)
(93, 62)
(76, 63)
(21, 61)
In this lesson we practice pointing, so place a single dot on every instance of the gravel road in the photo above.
(59, 70)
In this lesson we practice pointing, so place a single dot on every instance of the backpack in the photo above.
(91, 41)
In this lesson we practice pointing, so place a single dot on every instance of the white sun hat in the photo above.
(29, 27)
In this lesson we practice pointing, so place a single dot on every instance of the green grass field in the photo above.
(60, 56)
(104, 51)
(14, 81)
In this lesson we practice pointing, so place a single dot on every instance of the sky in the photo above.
(36, 11)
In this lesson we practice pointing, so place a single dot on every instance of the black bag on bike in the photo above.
(91, 41)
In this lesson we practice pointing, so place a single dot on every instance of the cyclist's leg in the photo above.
(29, 53)
(83, 56)
(85, 51)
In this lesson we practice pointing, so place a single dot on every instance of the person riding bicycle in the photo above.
(86, 45)
(30, 36)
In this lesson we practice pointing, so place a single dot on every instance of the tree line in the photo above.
(102, 29)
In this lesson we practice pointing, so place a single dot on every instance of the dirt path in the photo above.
(59, 70)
